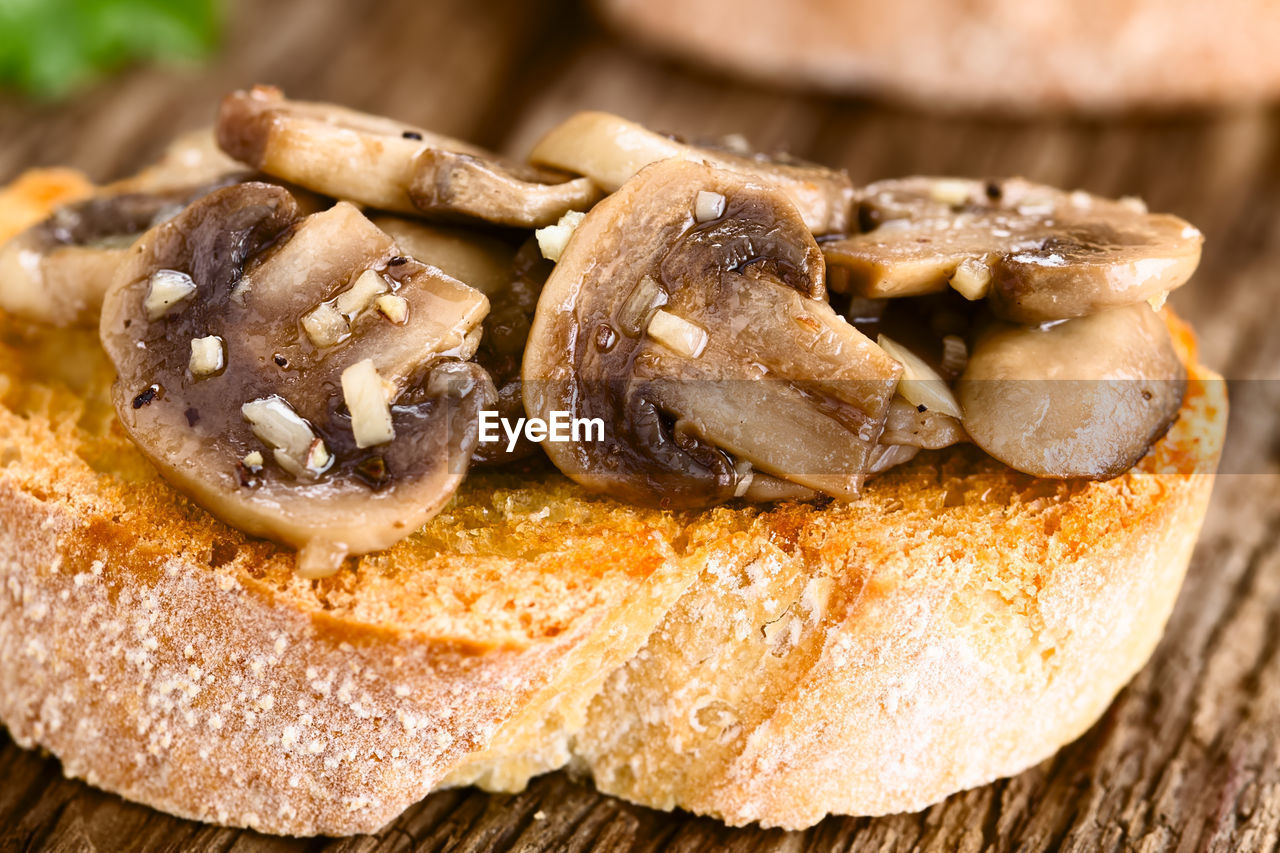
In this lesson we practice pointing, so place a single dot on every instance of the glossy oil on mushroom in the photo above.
(1036, 253)
(300, 377)
(705, 346)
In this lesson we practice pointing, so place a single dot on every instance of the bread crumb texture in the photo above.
(759, 664)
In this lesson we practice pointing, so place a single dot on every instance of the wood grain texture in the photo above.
(1187, 758)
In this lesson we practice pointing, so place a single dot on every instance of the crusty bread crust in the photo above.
(1002, 55)
(768, 664)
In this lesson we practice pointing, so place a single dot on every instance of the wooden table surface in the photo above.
(1185, 759)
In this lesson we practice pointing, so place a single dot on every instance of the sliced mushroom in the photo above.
(57, 271)
(701, 346)
(486, 187)
(344, 445)
(1082, 398)
(1038, 253)
(512, 280)
(609, 150)
(386, 164)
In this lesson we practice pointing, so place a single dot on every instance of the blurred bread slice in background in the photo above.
(998, 55)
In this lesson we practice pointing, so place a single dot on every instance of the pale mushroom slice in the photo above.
(453, 184)
(512, 279)
(1082, 398)
(1039, 254)
(386, 164)
(57, 271)
(610, 149)
(706, 349)
(336, 437)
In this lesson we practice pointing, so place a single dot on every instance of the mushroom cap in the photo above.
(386, 164)
(610, 150)
(57, 271)
(751, 365)
(1081, 398)
(255, 268)
(1043, 254)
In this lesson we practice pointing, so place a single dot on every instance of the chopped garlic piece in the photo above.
(1134, 203)
(1157, 302)
(972, 279)
(320, 559)
(954, 191)
(553, 239)
(920, 384)
(646, 297)
(366, 398)
(352, 302)
(294, 445)
(318, 457)
(326, 326)
(168, 290)
(394, 308)
(1080, 198)
(254, 459)
(677, 334)
(709, 205)
(207, 356)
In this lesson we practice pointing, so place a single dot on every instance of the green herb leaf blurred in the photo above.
(48, 48)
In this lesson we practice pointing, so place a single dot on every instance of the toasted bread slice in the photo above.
(758, 663)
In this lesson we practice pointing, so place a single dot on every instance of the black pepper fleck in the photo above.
(397, 261)
(922, 408)
(993, 191)
(411, 134)
(281, 361)
(146, 397)
(193, 417)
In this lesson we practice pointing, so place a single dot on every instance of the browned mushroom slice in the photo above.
(485, 187)
(1082, 398)
(386, 164)
(511, 280)
(293, 375)
(1040, 254)
(58, 270)
(609, 150)
(702, 345)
